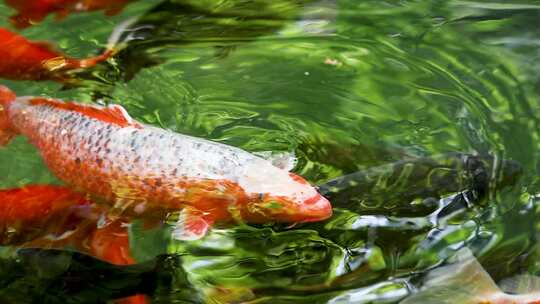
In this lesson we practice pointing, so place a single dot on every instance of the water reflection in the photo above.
(53, 276)
(171, 28)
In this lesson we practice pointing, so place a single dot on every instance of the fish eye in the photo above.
(261, 196)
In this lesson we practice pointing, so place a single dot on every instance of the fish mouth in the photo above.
(316, 209)
(284, 210)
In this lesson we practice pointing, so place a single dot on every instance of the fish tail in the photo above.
(463, 282)
(114, 45)
(6, 132)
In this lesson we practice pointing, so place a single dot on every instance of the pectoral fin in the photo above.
(283, 160)
(192, 224)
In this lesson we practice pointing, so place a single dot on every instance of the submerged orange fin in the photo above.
(114, 45)
(114, 114)
(88, 62)
(111, 243)
(192, 224)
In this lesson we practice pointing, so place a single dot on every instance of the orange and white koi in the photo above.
(103, 151)
(34, 11)
(23, 59)
(466, 282)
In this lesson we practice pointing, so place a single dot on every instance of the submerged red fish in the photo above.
(54, 217)
(27, 60)
(34, 11)
(48, 216)
(103, 151)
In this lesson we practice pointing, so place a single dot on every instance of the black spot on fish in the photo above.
(78, 161)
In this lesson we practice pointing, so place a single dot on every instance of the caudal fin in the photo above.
(463, 282)
(114, 44)
(6, 132)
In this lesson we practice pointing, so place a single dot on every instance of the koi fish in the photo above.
(466, 282)
(103, 151)
(56, 210)
(46, 216)
(390, 188)
(34, 11)
(23, 59)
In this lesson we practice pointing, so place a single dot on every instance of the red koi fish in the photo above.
(466, 282)
(55, 217)
(103, 151)
(27, 60)
(34, 11)
(64, 218)
(25, 211)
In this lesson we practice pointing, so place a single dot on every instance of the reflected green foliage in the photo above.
(418, 119)
(50, 276)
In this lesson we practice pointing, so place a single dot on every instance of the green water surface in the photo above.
(399, 91)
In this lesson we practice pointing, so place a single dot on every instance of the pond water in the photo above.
(417, 119)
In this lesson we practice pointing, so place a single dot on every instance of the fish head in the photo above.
(280, 196)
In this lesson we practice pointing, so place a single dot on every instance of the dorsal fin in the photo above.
(283, 160)
(114, 114)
